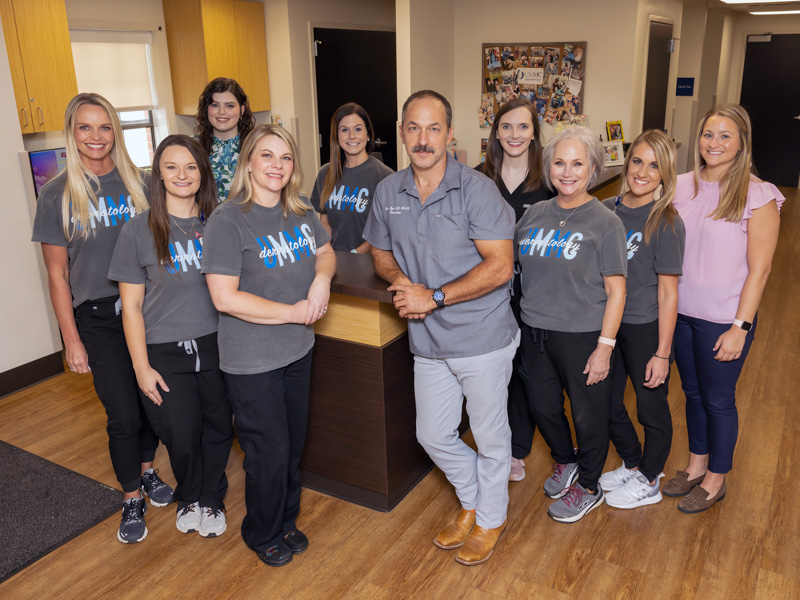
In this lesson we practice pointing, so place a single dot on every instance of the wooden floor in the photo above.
(748, 546)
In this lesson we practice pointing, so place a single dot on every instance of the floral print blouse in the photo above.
(224, 156)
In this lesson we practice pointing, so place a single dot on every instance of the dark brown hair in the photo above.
(205, 199)
(337, 160)
(203, 129)
(493, 165)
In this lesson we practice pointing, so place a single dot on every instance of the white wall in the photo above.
(608, 28)
(25, 328)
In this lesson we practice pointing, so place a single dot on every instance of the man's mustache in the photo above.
(421, 148)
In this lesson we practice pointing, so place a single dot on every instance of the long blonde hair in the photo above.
(663, 211)
(242, 187)
(736, 180)
(80, 191)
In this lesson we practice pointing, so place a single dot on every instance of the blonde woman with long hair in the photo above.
(655, 235)
(732, 222)
(269, 264)
(79, 216)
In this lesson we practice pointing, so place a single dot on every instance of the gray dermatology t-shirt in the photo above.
(563, 267)
(348, 205)
(89, 259)
(177, 306)
(275, 258)
(662, 256)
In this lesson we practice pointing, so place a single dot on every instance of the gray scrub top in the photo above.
(433, 243)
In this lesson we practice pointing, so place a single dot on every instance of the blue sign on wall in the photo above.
(685, 86)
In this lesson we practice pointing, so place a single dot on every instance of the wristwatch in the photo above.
(742, 324)
(438, 297)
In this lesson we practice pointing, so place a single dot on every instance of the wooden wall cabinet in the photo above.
(40, 57)
(216, 38)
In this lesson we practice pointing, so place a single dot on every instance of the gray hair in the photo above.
(594, 151)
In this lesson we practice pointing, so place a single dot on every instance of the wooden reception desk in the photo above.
(361, 443)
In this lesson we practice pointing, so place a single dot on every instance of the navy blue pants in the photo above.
(710, 388)
(271, 411)
(131, 440)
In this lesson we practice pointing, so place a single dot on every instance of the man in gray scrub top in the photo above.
(442, 235)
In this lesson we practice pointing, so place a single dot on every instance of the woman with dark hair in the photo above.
(79, 216)
(269, 265)
(222, 122)
(644, 340)
(732, 222)
(171, 330)
(514, 162)
(345, 185)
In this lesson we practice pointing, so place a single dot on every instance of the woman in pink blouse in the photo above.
(732, 222)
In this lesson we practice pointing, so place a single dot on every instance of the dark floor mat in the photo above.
(44, 505)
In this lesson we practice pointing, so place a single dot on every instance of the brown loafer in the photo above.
(680, 485)
(455, 534)
(480, 545)
(698, 501)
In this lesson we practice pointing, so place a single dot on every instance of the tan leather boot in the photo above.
(479, 545)
(454, 534)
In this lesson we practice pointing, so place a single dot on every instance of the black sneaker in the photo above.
(132, 528)
(277, 555)
(296, 540)
(160, 493)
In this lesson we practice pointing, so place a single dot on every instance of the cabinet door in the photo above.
(220, 39)
(251, 43)
(15, 62)
(46, 51)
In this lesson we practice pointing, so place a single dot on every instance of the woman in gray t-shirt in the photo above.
(345, 186)
(269, 265)
(655, 235)
(571, 251)
(171, 330)
(79, 216)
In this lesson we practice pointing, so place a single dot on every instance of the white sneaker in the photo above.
(212, 522)
(636, 492)
(188, 519)
(517, 469)
(616, 478)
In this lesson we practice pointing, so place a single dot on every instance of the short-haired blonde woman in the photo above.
(572, 255)
(644, 340)
(269, 265)
(732, 221)
(79, 216)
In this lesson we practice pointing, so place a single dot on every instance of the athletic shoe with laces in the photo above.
(132, 528)
(517, 469)
(188, 518)
(212, 522)
(562, 478)
(616, 478)
(575, 504)
(636, 492)
(160, 493)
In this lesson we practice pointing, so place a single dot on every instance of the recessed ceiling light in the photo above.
(758, 1)
(776, 12)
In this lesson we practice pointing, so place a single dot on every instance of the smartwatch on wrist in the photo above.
(438, 297)
(745, 325)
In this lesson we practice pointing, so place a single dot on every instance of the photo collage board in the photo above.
(551, 75)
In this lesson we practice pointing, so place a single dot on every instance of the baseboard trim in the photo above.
(31, 373)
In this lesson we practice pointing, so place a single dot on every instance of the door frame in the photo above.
(669, 112)
(313, 71)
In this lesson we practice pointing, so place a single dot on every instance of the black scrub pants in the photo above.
(194, 418)
(552, 362)
(131, 440)
(635, 347)
(271, 411)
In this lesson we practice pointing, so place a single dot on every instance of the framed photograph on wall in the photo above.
(614, 156)
(614, 131)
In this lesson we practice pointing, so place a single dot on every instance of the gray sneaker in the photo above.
(575, 504)
(132, 528)
(160, 493)
(636, 492)
(558, 483)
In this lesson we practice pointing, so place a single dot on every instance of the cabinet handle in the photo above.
(41, 115)
(25, 114)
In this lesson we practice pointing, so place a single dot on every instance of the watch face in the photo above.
(438, 296)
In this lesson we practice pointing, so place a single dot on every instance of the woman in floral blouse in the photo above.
(222, 122)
